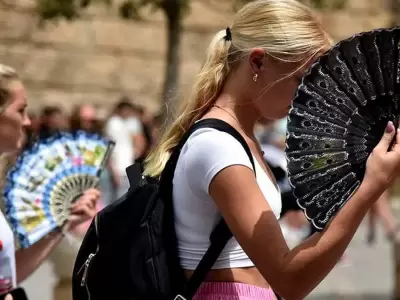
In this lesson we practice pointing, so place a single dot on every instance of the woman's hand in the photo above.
(84, 208)
(8, 297)
(383, 165)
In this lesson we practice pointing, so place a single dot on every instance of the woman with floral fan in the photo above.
(13, 121)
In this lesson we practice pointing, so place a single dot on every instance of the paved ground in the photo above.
(369, 275)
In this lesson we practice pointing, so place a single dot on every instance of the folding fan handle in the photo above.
(92, 186)
(106, 158)
(95, 185)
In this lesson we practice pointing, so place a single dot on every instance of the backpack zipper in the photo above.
(86, 265)
(85, 271)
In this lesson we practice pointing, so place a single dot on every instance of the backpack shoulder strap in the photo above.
(221, 233)
(225, 127)
(169, 169)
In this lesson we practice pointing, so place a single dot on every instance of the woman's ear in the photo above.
(257, 60)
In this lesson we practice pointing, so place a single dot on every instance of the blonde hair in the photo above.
(7, 76)
(286, 29)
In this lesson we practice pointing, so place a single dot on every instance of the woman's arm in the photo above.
(294, 273)
(29, 259)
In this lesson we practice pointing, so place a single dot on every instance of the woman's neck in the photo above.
(243, 113)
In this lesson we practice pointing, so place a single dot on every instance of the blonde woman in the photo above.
(251, 72)
(13, 121)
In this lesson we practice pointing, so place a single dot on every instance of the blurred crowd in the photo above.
(294, 225)
(135, 132)
(133, 129)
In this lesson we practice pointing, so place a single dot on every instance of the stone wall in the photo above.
(100, 57)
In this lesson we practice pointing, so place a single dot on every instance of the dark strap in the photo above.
(221, 233)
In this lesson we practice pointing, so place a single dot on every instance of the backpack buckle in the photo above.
(179, 297)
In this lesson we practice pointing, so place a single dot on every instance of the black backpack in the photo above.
(130, 249)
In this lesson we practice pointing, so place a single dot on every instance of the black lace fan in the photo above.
(338, 116)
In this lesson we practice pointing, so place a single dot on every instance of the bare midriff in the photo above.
(249, 276)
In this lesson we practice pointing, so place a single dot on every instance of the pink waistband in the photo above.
(232, 291)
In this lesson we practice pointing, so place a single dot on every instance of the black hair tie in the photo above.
(228, 36)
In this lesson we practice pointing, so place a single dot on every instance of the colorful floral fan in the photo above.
(48, 177)
(338, 116)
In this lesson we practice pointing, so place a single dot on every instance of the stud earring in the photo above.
(255, 77)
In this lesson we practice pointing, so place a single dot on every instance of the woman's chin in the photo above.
(9, 149)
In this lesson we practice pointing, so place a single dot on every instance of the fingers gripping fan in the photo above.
(338, 116)
(47, 178)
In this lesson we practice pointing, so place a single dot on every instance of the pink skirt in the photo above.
(232, 291)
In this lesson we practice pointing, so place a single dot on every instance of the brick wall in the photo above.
(100, 57)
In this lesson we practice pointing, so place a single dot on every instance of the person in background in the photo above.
(125, 129)
(35, 122)
(52, 120)
(83, 117)
(13, 120)
(32, 131)
(381, 211)
(295, 226)
(264, 131)
(278, 137)
(293, 223)
(147, 122)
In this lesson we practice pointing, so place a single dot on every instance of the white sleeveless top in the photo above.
(205, 154)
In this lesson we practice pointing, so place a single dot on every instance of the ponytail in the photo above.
(285, 29)
(207, 87)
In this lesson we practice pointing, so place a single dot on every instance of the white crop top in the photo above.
(207, 152)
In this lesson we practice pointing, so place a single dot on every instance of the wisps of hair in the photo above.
(7, 75)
